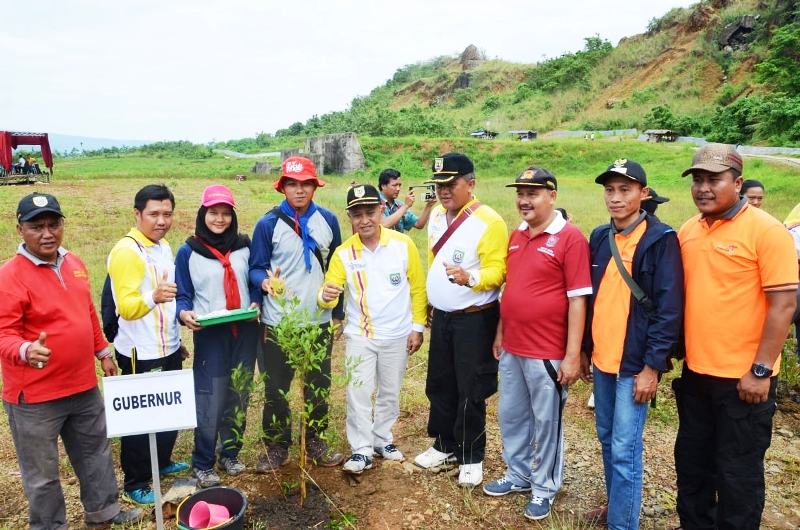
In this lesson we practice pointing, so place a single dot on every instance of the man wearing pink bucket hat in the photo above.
(292, 247)
(211, 271)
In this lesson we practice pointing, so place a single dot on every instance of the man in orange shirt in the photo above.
(629, 337)
(741, 282)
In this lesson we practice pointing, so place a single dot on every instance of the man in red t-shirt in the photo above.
(538, 341)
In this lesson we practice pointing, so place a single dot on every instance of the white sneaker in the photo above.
(356, 464)
(470, 475)
(389, 452)
(433, 458)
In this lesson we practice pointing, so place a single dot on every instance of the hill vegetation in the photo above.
(726, 70)
(678, 75)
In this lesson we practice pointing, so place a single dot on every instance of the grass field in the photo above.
(97, 193)
(97, 196)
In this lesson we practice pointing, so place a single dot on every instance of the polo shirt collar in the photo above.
(382, 242)
(632, 227)
(22, 251)
(556, 225)
(142, 239)
(386, 201)
(738, 207)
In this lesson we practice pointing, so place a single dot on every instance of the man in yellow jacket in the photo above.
(386, 311)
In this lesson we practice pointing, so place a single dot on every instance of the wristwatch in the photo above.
(471, 281)
(762, 371)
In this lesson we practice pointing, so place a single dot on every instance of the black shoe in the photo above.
(134, 515)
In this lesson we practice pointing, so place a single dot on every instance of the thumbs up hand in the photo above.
(38, 352)
(166, 290)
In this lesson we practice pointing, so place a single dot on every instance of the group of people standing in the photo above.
(615, 310)
(612, 310)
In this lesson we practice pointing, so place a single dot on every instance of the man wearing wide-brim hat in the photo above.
(741, 283)
(291, 249)
(468, 242)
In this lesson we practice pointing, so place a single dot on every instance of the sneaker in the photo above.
(357, 463)
(133, 515)
(277, 456)
(206, 478)
(142, 497)
(598, 516)
(433, 458)
(537, 508)
(470, 475)
(231, 466)
(174, 468)
(503, 486)
(322, 455)
(389, 452)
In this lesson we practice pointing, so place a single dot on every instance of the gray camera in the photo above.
(429, 192)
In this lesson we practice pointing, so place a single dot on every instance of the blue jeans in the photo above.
(620, 423)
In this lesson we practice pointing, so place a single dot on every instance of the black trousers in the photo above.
(719, 452)
(276, 420)
(462, 373)
(134, 455)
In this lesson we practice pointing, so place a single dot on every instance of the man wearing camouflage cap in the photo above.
(740, 283)
(467, 244)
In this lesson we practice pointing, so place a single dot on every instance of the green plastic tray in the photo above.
(234, 316)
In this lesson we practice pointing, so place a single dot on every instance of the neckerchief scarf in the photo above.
(301, 228)
(220, 246)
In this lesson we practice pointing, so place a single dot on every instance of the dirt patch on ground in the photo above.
(395, 496)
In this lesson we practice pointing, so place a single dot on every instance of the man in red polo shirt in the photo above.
(538, 341)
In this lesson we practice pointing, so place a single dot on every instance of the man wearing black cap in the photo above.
(49, 339)
(386, 310)
(652, 201)
(636, 283)
(741, 283)
(538, 341)
(468, 243)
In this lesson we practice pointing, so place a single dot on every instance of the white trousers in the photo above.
(380, 363)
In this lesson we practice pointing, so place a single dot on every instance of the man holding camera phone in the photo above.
(398, 215)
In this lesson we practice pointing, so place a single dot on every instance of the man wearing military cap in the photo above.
(633, 324)
(381, 273)
(50, 338)
(741, 282)
(467, 246)
(538, 341)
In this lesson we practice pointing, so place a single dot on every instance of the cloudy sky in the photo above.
(205, 70)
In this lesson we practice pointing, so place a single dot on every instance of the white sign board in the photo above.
(150, 402)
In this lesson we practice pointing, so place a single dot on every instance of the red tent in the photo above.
(10, 140)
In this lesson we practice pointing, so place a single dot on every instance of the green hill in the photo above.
(721, 68)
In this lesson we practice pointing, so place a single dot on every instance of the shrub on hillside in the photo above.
(491, 103)
(463, 97)
(569, 70)
(781, 69)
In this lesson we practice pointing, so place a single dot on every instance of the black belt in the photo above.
(474, 308)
